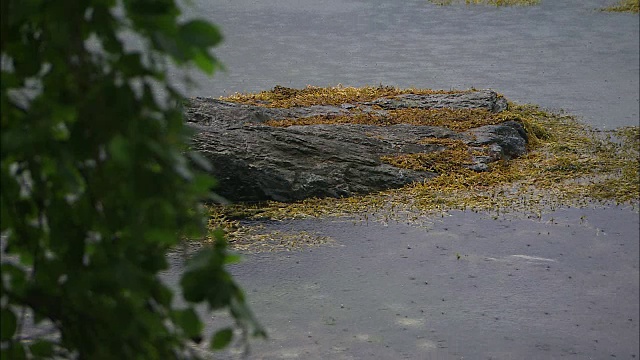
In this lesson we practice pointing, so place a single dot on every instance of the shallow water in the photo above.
(560, 54)
(564, 286)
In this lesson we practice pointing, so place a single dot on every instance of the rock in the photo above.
(254, 162)
(503, 141)
(509, 138)
(482, 99)
(260, 162)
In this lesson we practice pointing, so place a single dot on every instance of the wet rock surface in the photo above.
(255, 162)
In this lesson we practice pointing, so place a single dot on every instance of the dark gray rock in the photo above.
(217, 113)
(258, 162)
(255, 162)
(482, 99)
(506, 141)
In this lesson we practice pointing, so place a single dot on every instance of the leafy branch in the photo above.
(96, 187)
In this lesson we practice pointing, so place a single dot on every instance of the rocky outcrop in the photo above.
(483, 99)
(253, 161)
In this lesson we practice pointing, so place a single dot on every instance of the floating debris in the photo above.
(257, 238)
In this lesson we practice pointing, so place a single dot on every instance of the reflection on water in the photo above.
(560, 54)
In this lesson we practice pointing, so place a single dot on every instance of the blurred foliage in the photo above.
(97, 187)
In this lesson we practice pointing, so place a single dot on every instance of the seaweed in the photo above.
(632, 6)
(284, 97)
(568, 164)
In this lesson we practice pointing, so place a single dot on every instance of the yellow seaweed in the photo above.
(568, 164)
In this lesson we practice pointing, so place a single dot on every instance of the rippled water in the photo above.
(561, 54)
(564, 286)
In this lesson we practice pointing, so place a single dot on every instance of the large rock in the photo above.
(255, 162)
(483, 99)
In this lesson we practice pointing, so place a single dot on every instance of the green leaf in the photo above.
(15, 351)
(106, 162)
(193, 287)
(16, 276)
(27, 63)
(131, 64)
(204, 183)
(200, 33)
(189, 321)
(218, 235)
(161, 236)
(119, 149)
(232, 259)
(8, 323)
(204, 271)
(221, 338)
(42, 348)
(60, 131)
(178, 51)
(204, 62)
(9, 80)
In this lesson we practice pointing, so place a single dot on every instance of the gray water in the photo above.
(562, 54)
(565, 286)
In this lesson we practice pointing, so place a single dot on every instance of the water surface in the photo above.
(561, 54)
